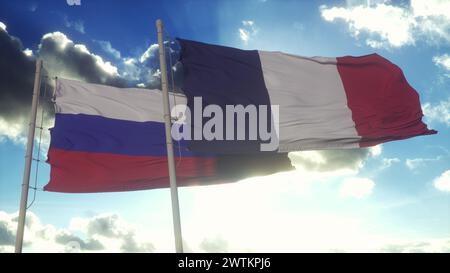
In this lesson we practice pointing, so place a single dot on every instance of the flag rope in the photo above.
(38, 158)
(172, 80)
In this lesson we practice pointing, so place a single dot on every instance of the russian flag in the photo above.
(324, 103)
(113, 139)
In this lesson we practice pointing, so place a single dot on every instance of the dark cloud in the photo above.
(16, 76)
(64, 58)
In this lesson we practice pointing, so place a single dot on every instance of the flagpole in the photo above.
(28, 158)
(168, 125)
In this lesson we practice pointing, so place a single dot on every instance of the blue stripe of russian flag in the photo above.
(97, 134)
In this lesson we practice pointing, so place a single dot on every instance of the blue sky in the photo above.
(393, 197)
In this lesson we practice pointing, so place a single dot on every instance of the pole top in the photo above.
(159, 23)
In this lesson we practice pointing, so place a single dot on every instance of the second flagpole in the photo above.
(168, 125)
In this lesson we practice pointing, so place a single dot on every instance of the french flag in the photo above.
(324, 103)
(108, 139)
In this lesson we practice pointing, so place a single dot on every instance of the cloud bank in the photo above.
(387, 25)
(101, 233)
(110, 233)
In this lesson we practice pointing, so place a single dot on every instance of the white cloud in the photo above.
(38, 237)
(13, 130)
(28, 52)
(6, 249)
(112, 232)
(415, 163)
(376, 150)
(60, 38)
(150, 52)
(431, 8)
(247, 31)
(107, 47)
(132, 69)
(443, 61)
(356, 187)
(147, 68)
(374, 43)
(438, 112)
(129, 61)
(388, 162)
(77, 25)
(106, 66)
(442, 182)
(248, 23)
(390, 25)
(65, 43)
(244, 35)
(2, 26)
(82, 48)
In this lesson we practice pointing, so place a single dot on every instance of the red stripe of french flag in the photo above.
(384, 107)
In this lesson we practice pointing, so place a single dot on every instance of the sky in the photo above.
(393, 197)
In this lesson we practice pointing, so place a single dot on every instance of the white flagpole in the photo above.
(28, 158)
(168, 125)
